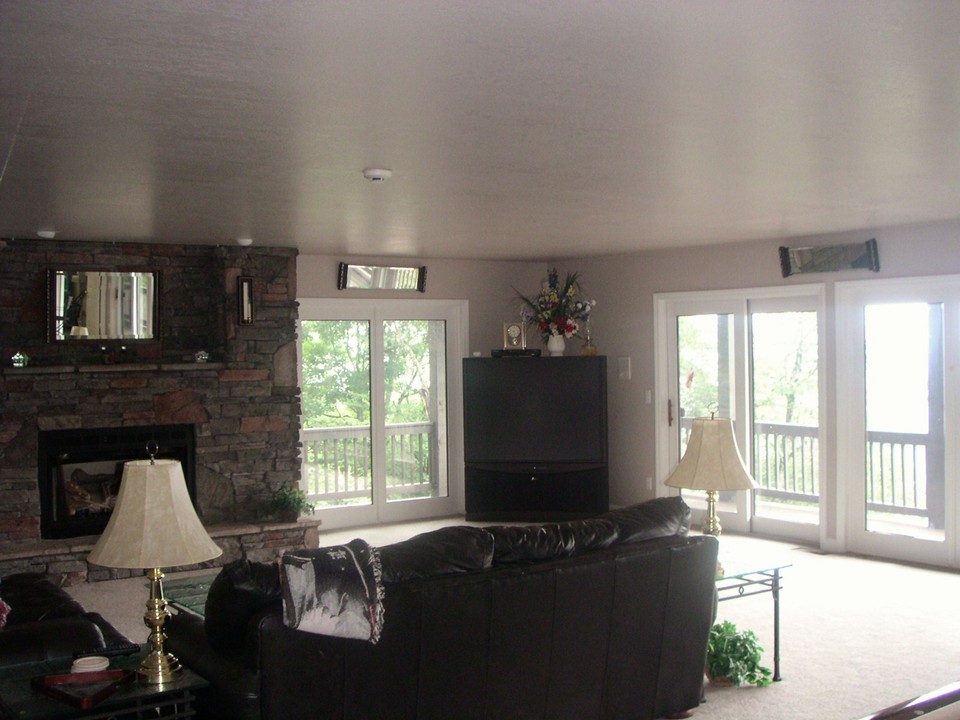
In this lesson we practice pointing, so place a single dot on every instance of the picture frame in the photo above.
(830, 258)
(514, 336)
(381, 277)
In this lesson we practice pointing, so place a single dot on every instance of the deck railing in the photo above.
(899, 481)
(336, 461)
(336, 465)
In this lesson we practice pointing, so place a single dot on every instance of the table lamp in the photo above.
(154, 525)
(79, 331)
(711, 462)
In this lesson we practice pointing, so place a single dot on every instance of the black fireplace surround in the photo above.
(79, 471)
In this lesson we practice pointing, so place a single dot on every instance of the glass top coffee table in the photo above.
(189, 593)
(130, 701)
(759, 580)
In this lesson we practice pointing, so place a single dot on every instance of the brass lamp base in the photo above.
(711, 523)
(159, 666)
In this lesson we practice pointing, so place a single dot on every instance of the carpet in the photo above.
(857, 635)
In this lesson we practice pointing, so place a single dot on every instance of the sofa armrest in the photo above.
(48, 639)
(234, 691)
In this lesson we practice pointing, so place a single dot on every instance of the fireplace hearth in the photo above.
(79, 472)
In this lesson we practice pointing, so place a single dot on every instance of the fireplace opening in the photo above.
(79, 472)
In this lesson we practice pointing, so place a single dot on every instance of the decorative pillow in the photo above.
(334, 591)
(454, 549)
(655, 518)
(4, 611)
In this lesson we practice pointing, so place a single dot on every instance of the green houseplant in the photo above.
(734, 656)
(288, 503)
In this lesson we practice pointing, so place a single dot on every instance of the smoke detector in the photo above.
(377, 175)
(244, 241)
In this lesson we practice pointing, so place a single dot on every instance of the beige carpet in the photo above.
(857, 635)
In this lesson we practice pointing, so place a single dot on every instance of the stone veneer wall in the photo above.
(245, 403)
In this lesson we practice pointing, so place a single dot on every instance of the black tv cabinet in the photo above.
(535, 438)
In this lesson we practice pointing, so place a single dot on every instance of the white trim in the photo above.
(850, 300)
(740, 303)
(455, 313)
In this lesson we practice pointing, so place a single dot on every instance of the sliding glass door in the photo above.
(785, 413)
(753, 356)
(380, 386)
(896, 396)
(705, 356)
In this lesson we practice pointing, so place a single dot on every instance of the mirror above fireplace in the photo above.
(100, 304)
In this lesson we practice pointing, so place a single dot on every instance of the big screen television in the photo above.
(528, 410)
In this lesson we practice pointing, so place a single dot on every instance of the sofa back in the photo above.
(616, 633)
(604, 618)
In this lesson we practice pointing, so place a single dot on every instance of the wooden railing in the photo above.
(336, 462)
(900, 480)
(786, 461)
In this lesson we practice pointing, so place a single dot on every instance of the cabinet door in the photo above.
(536, 493)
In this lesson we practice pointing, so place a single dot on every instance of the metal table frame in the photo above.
(741, 584)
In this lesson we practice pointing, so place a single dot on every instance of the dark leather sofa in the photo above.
(600, 618)
(45, 622)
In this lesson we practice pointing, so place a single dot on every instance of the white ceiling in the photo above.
(514, 128)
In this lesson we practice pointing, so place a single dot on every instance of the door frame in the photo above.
(738, 301)
(850, 298)
(455, 313)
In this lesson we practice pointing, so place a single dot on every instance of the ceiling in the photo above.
(525, 129)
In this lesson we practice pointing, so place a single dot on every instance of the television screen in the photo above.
(535, 410)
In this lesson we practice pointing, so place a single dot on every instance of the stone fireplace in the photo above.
(242, 405)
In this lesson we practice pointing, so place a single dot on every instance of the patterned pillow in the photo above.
(334, 590)
(4, 611)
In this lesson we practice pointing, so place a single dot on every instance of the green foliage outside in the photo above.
(784, 378)
(337, 386)
(336, 372)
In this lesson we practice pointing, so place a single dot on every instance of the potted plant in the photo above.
(289, 503)
(733, 656)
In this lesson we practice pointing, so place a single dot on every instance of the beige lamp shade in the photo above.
(153, 524)
(79, 331)
(712, 460)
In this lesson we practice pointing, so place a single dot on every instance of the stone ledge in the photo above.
(112, 368)
(67, 558)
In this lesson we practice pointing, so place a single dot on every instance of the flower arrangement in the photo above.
(556, 309)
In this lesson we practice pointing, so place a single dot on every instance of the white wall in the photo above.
(624, 286)
(486, 284)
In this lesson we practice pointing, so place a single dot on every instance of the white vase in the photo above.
(556, 345)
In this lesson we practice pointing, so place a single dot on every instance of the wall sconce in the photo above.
(245, 300)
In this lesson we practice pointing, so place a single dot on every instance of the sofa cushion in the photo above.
(533, 543)
(240, 589)
(652, 519)
(454, 549)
